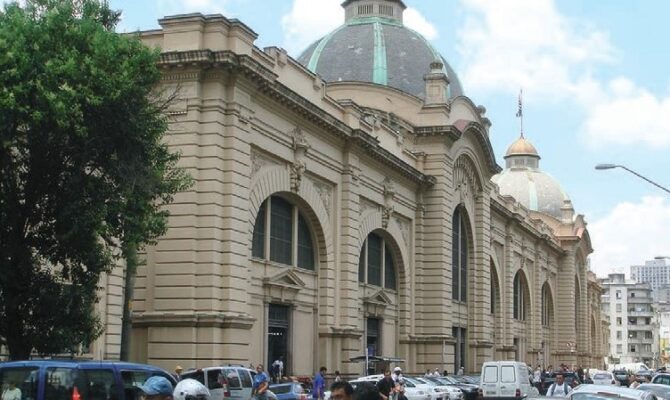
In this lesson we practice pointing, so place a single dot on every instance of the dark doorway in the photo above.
(278, 337)
(372, 341)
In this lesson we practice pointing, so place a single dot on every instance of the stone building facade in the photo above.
(355, 214)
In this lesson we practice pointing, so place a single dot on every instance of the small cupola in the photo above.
(358, 9)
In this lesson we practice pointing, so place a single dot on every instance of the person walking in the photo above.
(319, 384)
(461, 370)
(260, 385)
(338, 378)
(11, 392)
(398, 384)
(559, 388)
(537, 377)
(385, 385)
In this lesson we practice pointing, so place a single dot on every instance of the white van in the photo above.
(505, 380)
(226, 382)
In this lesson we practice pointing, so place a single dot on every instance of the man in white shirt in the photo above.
(559, 388)
(12, 392)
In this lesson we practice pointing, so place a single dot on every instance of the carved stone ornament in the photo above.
(259, 160)
(298, 166)
(389, 195)
(325, 193)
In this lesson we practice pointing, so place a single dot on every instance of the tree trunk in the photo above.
(130, 254)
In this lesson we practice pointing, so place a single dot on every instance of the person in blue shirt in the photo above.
(319, 384)
(259, 389)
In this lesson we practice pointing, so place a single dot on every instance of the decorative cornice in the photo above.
(193, 319)
(269, 85)
(523, 224)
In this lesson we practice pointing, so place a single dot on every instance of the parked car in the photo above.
(67, 379)
(604, 378)
(230, 381)
(644, 376)
(289, 391)
(590, 392)
(447, 392)
(469, 379)
(412, 392)
(661, 378)
(662, 392)
(470, 391)
(505, 379)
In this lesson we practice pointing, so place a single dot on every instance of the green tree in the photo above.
(84, 170)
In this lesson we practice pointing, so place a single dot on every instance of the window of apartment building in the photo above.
(282, 231)
(459, 257)
(632, 334)
(619, 349)
(618, 334)
(648, 335)
(618, 294)
(618, 307)
(618, 320)
(632, 348)
(647, 321)
(632, 321)
(375, 265)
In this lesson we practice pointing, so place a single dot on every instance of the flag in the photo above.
(519, 112)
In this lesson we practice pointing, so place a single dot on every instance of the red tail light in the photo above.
(75, 394)
(518, 393)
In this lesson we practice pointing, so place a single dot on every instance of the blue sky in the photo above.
(594, 76)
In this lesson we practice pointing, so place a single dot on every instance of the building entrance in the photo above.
(278, 338)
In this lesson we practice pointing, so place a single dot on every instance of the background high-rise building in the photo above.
(656, 273)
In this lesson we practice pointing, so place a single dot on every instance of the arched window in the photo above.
(282, 232)
(547, 305)
(520, 297)
(495, 290)
(459, 257)
(375, 265)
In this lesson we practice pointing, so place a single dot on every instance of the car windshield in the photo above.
(281, 389)
(601, 376)
(449, 380)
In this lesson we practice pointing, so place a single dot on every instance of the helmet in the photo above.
(190, 389)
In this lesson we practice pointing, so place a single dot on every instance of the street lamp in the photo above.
(612, 166)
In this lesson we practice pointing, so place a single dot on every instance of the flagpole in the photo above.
(519, 112)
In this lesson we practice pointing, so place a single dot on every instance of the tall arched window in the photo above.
(495, 290)
(375, 265)
(520, 297)
(459, 257)
(282, 232)
(547, 305)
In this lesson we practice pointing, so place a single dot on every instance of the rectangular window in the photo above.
(213, 378)
(26, 379)
(648, 335)
(281, 231)
(618, 307)
(618, 294)
(491, 374)
(507, 374)
(618, 320)
(618, 334)
(375, 260)
(305, 248)
(619, 349)
(632, 348)
(60, 383)
(258, 245)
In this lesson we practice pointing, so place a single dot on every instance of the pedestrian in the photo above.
(177, 372)
(156, 388)
(341, 390)
(259, 388)
(278, 369)
(580, 373)
(436, 372)
(559, 388)
(537, 377)
(338, 378)
(366, 391)
(398, 384)
(319, 384)
(461, 370)
(428, 373)
(385, 385)
(11, 392)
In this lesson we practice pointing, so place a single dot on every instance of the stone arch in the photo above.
(277, 180)
(548, 301)
(467, 183)
(525, 288)
(371, 222)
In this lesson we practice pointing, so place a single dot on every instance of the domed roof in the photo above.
(374, 46)
(530, 186)
(521, 147)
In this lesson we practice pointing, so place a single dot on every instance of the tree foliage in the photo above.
(84, 169)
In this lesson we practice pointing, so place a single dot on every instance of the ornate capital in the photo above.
(298, 166)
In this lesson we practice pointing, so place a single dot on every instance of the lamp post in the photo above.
(612, 166)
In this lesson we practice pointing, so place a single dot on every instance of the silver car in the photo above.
(594, 392)
(604, 378)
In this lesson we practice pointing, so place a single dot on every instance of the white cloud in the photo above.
(413, 19)
(629, 235)
(309, 20)
(628, 114)
(507, 44)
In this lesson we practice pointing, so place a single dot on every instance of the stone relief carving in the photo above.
(259, 160)
(465, 180)
(366, 205)
(389, 194)
(403, 225)
(325, 192)
(299, 165)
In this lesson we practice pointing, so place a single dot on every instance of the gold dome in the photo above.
(521, 147)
